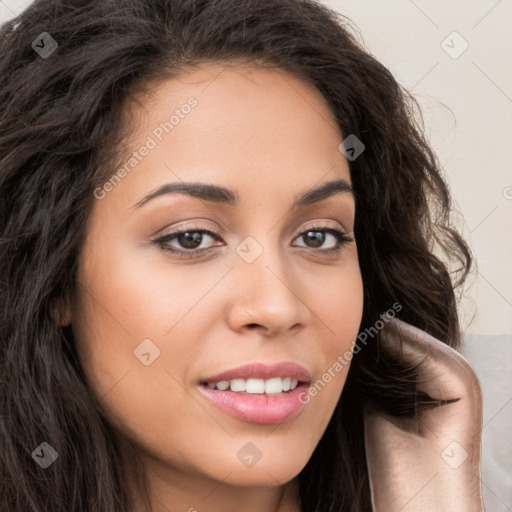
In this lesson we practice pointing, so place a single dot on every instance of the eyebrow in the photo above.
(222, 195)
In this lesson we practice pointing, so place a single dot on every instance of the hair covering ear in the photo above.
(433, 463)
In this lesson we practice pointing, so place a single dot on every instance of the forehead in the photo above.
(238, 124)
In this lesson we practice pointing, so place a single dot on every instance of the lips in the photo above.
(259, 408)
(261, 371)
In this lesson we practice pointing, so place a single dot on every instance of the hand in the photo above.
(430, 463)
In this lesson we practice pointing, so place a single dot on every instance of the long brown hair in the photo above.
(60, 128)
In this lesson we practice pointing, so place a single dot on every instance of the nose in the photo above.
(268, 296)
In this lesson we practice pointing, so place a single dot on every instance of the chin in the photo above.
(265, 473)
(264, 477)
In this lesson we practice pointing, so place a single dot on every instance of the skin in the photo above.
(269, 136)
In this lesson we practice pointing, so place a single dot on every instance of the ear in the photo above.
(61, 311)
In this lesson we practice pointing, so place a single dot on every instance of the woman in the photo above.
(219, 285)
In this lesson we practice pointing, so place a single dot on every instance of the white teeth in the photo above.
(255, 386)
(237, 385)
(258, 386)
(223, 385)
(274, 385)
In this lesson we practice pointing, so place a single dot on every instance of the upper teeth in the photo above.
(274, 385)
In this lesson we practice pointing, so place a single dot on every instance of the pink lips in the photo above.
(260, 408)
(263, 371)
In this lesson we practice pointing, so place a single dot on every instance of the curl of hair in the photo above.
(61, 132)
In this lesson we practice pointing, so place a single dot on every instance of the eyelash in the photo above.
(341, 236)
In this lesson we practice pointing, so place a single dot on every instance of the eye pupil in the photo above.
(317, 237)
(190, 237)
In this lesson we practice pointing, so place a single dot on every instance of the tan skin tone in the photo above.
(270, 137)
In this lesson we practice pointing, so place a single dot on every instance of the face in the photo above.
(176, 289)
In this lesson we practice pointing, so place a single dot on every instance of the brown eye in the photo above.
(316, 237)
(186, 241)
(189, 239)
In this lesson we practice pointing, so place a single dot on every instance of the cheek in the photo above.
(147, 293)
(340, 305)
(136, 342)
(135, 376)
(339, 308)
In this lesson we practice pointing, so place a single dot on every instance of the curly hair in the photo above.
(61, 133)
